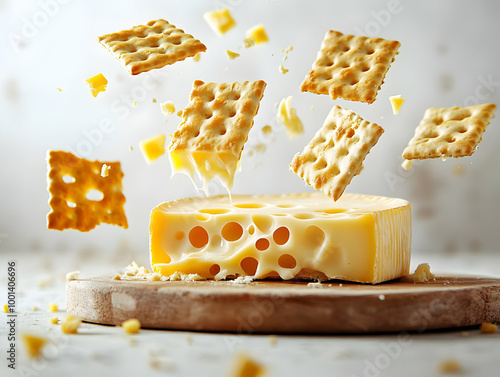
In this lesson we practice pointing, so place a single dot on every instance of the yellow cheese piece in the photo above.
(131, 326)
(52, 307)
(359, 238)
(232, 55)
(422, 274)
(256, 35)
(283, 70)
(288, 117)
(5, 308)
(246, 367)
(54, 320)
(97, 84)
(197, 57)
(153, 148)
(70, 325)
(488, 328)
(167, 108)
(220, 21)
(33, 344)
(396, 102)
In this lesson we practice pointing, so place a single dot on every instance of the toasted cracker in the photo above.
(350, 67)
(154, 45)
(449, 132)
(336, 153)
(218, 116)
(86, 175)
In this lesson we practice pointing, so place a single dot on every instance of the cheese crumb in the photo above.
(97, 84)
(283, 70)
(266, 130)
(54, 320)
(117, 277)
(105, 170)
(220, 21)
(246, 367)
(59, 89)
(52, 307)
(33, 344)
(396, 103)
(422, 273)
(134, 103)
(34, 308)
(197, 57)
(131, 326)
(288, 117)
(488, 328)
(154, 100)
(72, 275)
(242, 280)
(189, 339)
(153, 148)
(450, 366)
(232, 55)
(459, 169)
(407, 164)
(167, 108)
(256, 35)
(5, 308)
(70, 325)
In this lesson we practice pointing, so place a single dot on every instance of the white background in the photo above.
(448, 51)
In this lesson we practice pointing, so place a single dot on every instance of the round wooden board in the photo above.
(287, 307)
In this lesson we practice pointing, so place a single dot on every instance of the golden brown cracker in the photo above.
(69, 181)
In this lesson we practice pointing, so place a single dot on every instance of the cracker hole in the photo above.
(232, 231)
(346, 48)
(281, 235)
(262, 244)
(354, 82)
(197, 134)
(249, 265)
(208, 116)
(462, 130)
(70, 204)
(68, 179)
(236, 97)
(222, 132)
(232, 114)
(321, 164)
(287, 261)
(94, 195)
(198, 237)
(214, 269)
(438, 121)
(350, 133)
(370, 52)
(365, 68)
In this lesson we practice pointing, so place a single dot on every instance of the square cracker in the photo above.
(154, 45)
(350, 67)
(449, 132)
(70, 179)
(336, 153)
(218, 117)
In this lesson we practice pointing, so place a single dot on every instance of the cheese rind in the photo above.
(359, 238)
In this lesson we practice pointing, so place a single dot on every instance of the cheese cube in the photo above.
(54, 320)
(97, 84)
(359, 238)
(52, 307)
(33, 344)
(220, 21)
(153, 148)
(256, 35)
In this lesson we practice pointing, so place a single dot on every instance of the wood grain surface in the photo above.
(287, 307)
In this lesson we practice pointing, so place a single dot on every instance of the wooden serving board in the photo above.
(287, 307)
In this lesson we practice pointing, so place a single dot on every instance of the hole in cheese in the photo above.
(249, 265)
(216, 241)
(263, 223)
(179, 235)
(249, 205)
(281, 235)
(198, 237)
(95, 195)
(68, 178)
(315, 236)
(232, 231)
(214, 269)
(303, 216)
(334, 210)
(262, 244)
(214, 211)
(287, 261)
(202, 217)
(251, 229)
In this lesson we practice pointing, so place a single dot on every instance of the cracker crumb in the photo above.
(167, 108)
(52, 307)
(72, 275)
(459, 169)
(422, 274)
(33, 344)
(131, 326)
(189, 339)
(242, 280)
(266, 130)
(450, 366)
(488, 328)
(70, 325)
(464, 333)
(105, 170)
(153, 276)
(154, 100)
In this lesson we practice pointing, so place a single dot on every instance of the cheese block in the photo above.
(307, 236)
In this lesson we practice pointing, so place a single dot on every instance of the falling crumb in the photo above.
(242, 280)
(59, 89)
(312, 108)
(158, 360)
(131, 148)
(245, 367)
(134, 103)
(407, 164)
(33, 344)
(45, 282)
(97, 84)
(167, 108)
(232, 55)
(422, 274)
(72, 275)
(340, 285)
(396, 103)
(154, 100)
(179, 113)
(117, 277)
(197, 57)
(273, 340)
(381, 297)
(488, 328)
(34, 308)
(450, 366)
(154, 277)
(459, 169)
(283, 70)
(70, 325)
(255, 35)
(131, 326)
(189, 339)
(52, 307)
(443, 158)
(5, 308)
(266, 130)
(105, 170)
(261, 148)
(54, 320)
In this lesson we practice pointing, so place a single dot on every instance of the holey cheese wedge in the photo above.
(308, 236)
